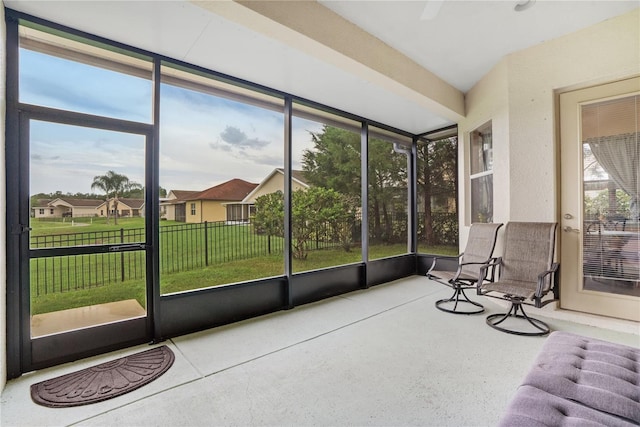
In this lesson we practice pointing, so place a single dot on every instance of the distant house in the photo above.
(65, 207)
(173, 207)
(126, 208)
(243, 210)
(210, 204)
(41, 209)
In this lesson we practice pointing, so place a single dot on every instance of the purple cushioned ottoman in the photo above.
(578, 381)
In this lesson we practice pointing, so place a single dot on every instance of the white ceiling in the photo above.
(460, 44)
(467, 38)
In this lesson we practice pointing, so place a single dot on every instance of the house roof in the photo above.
(233, 190)
(41, 203)
(297, 175)
(182, 195)
(73, 202)
(130, 203)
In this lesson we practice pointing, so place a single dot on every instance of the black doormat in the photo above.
(104, 381)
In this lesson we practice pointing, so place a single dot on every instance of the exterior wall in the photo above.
(57, 212)
(3, 206)
(85, 211)
(207, 210)
(170, 212)
(213, 210)
(275, 183)
(519, 95)
(198, 214)
(124, 210)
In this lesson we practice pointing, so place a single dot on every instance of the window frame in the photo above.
(475, 137)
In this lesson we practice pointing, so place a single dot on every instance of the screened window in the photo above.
(481, 173)
(389, 229)
(223, 145)
(437, 202)
(61, 72)
(326, 185)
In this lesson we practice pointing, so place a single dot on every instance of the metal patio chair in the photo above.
(526, 273)
(478, 252)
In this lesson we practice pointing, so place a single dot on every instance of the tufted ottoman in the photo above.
(578, 381)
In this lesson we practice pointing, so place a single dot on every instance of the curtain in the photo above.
(619, 156)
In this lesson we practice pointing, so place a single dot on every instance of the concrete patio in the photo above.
(382, 356)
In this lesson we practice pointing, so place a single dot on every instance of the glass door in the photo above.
(600, 201)
(86, 281)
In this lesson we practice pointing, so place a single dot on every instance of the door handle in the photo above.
(570, 230)
(127, 247)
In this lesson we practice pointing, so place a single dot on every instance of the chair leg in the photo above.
(455, 298)
(516, 305)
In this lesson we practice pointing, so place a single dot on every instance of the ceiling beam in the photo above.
(316, 30)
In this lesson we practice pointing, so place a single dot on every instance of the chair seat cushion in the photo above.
(447, 276)
(516, 288)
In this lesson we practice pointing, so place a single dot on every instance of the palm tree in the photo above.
(113, 184)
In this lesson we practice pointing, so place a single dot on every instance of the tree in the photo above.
(316, 211)
(600, 205)
(335, 163)
(436, 178)
(113, 185)
(269, 218)
(387, 189)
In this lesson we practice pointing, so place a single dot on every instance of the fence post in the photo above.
(122, 255)
(206, 245)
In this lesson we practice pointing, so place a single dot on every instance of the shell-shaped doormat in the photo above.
(104, 381)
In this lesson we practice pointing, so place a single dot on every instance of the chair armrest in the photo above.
(435, 262)
(492, 264)
(541, 289)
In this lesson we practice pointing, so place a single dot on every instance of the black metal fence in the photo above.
(185, 247)
(182, 247)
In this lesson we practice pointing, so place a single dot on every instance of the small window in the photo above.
(51, 211)
(193, 208)
(481, 173)
(41, 211)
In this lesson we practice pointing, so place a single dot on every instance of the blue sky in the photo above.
(204, 140)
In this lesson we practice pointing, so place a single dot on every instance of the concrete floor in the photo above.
(382, 356)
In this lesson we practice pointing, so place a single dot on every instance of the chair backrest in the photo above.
(528, 250)
(480, 245)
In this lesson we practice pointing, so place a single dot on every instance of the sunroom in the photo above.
(401, 154)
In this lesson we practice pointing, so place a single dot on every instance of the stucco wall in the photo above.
(519, 96)
(487, 101)
(3, 207)
(213, 211)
